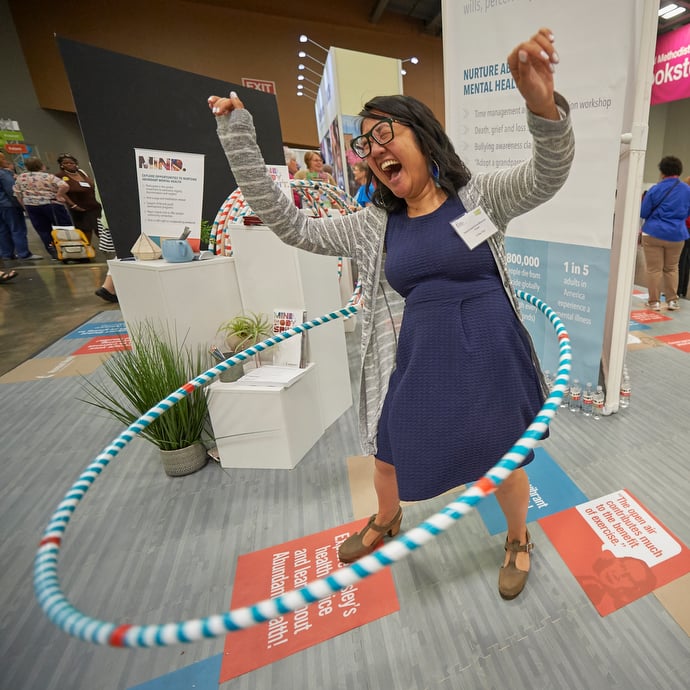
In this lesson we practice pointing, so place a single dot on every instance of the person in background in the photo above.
(293, 167)
(365, 191)
(313, 169)
(432, 422)
(81, 196)
(684, 261)
(44, 197)
(107, 290)
(665, 208)
(14, 243)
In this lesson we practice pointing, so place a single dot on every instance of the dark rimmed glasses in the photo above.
(382, 133)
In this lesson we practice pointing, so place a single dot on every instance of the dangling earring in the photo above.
(435, 172)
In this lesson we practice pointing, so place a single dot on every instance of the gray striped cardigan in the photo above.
(503, 194)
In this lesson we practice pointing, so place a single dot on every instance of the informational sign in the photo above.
(281, 176)
(616, 549)
(101, 328)
(572, 280)
(282, 568)
(171, 187)
(550, 491)
(560, 251)
(109, 343)
(648, 316)
(681, 341)
(672, 66)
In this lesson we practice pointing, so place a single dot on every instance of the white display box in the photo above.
(190, 299)
(265, 427)
(271, 275)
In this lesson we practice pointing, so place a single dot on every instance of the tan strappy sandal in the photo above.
(512, 580)
(352, 548)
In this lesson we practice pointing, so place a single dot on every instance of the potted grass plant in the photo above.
(241, 332)
(138, 379)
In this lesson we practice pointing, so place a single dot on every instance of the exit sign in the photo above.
(260, 85)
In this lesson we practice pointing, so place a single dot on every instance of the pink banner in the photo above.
(672, 66)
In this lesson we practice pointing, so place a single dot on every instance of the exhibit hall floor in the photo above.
(146, 548)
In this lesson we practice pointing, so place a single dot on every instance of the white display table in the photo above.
(189, 299)
(265, 427)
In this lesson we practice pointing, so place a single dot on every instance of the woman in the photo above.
(684, 261)
(44, 197)
(83, 205)
(365, 191)
(459, 305)
(314, 169)
(665, 208)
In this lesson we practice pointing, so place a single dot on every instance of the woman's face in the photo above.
(69, 164)
(316, 163)
(400, 164)
(359, 175)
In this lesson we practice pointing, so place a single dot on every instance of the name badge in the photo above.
(84, 184)
(474, 227)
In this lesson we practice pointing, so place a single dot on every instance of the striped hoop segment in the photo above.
(317, 197)
(61, 612)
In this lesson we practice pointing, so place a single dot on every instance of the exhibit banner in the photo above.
(171, 189)
(616, 548)
(672, 66)
(560, 251)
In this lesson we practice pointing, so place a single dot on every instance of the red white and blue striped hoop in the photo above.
(61, 612)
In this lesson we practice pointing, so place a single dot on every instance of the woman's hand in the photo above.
(224, 106)
(532, 66)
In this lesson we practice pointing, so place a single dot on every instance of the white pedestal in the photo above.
(189, 299)
(270, 275)
(264, 427)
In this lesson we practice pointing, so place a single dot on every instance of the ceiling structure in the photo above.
(429, 13)
(426, 11)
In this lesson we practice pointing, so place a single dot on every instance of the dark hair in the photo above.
(670, 166)
(432, 139)
(34, 164)
(66, 156)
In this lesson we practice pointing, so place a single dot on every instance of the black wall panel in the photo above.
(125, 103)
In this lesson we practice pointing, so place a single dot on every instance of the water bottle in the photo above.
(598, 403)
(587, 400)
(549, 379)
(624, 400)
(566, 395)
(575, 396)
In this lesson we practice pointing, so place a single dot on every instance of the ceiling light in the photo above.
(670, 10)
(414, 60)
(301, 77)
(302, 67)
(673, 13)
(304, 39)
(302, 54)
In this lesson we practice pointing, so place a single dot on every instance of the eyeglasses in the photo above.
(382, 133)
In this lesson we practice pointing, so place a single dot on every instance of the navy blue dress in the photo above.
(464, 388)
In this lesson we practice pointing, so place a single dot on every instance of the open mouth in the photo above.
(390, 168)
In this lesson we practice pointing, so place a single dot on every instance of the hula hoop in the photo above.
(317, 197)
(70, 620)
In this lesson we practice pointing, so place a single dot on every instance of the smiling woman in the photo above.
(427, 287)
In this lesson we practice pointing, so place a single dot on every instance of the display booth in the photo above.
(254, 425)
(349, 80)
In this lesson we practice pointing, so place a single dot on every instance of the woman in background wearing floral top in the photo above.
(44, 197)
